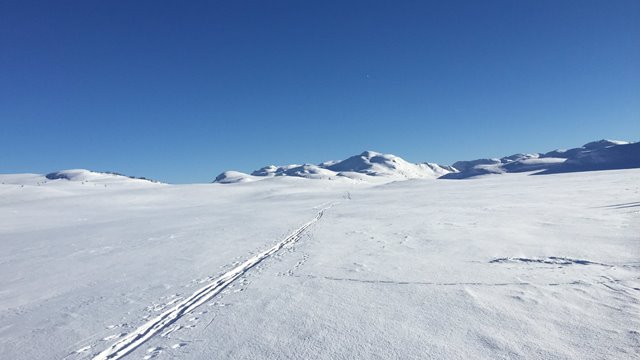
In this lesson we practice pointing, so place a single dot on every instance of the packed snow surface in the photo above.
(510, 266)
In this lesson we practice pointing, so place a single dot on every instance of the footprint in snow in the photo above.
(110, 327)
(217, 304)
(153, 352)
(114, 336)
(171, 330)
(83, 350)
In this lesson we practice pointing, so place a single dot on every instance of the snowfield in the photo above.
(101, 266)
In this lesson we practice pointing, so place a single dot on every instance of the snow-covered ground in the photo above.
(498, 266)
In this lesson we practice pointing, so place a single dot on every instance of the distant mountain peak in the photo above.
(368, 166)
(369, 154)
(88, 175)
(600, 144)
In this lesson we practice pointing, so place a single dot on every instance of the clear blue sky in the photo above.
(183, 90)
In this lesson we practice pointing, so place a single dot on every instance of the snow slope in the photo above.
(511, 266)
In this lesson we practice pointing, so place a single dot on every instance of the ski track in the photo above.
(146, 331)
(551, 260)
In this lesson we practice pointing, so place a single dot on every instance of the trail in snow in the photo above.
(554, 260)
(143, 333)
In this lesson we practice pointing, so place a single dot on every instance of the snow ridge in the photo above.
(201, 296)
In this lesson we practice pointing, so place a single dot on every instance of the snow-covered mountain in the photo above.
(368, 166)
(376, 167)
(73, 175)
(596, 155)
(603, 157)
(95, 176)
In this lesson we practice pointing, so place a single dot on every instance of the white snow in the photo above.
(511, 266)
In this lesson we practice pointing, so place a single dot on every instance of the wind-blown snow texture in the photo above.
(103, 266)
(376, 167)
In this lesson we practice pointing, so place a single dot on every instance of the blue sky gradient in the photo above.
(181, 91)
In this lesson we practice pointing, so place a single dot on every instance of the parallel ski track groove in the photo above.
(146, 331)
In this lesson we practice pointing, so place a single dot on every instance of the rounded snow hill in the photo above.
(273, 170)
(234, 177)
(377, 164)
(71, 178)
(83, 175)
